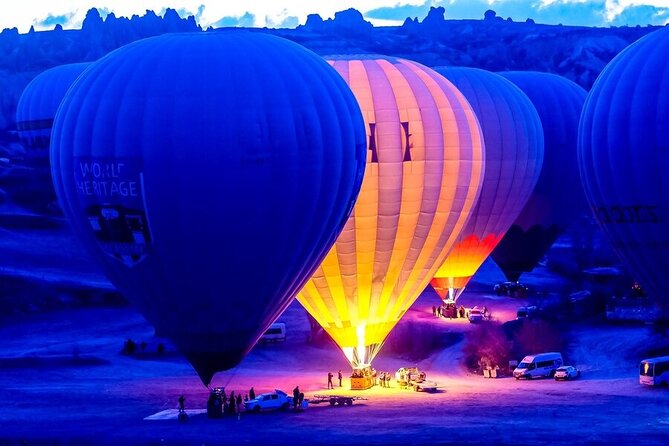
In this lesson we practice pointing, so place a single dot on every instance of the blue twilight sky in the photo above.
(45, 14)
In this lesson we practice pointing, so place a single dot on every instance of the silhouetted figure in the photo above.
(296, 397)
(330, 385)
(239, 403)
(214, 406)
(182, 401)
(252, 394)
(231, 405)
(339, 375)
(434, 311)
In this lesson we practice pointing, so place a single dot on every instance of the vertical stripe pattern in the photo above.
(424, 170)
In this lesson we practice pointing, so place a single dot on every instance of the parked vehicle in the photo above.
(407, 374)
(514, 289)
(271, 401)
(275, 333)
(411, 377)
(524, 312)
(475, 315)
(541, 365)
(566, 373)
(654, 371)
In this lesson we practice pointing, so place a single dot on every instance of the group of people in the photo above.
(452, 311)
(298, 398)
(219, 403)
(384, 379)
(330, 376)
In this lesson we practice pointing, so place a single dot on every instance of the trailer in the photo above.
(335, 400)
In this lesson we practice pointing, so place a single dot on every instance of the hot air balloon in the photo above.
(624, 158)
(514, 148)
(424, 170)
(34, 117)
(558, 199)
(38, 104)
(209, 173)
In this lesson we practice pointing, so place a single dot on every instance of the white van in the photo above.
(543, 364)
(275, 333)
(654, 371)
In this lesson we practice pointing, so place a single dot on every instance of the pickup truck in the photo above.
(271, 401)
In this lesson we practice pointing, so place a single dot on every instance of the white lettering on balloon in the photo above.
(105, 179)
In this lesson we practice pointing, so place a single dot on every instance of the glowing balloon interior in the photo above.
(624, 158)
(514, 146)
(558, 199)
(210, 174)
(424, 170)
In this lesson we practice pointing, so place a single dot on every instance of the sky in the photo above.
(45, 14)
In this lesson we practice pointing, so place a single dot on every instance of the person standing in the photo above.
(339, 375)
(239, 403)
(296, 397)
(330, 385)
(252, 394)
(182, 401)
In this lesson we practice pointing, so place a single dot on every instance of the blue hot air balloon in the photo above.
(210, 174)
(558, 199)
(624, 158)
(514, 151)
(38, 104)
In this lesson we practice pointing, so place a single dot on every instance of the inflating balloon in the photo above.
(210, 174)
(424, 171)
(624, 158)
(514, 149)
(38, 104)
(558, 199)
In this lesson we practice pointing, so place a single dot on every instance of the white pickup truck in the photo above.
(271, 401)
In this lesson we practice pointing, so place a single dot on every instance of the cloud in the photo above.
(642, 15)
(245, 20)
(399, 12)
(52, 20)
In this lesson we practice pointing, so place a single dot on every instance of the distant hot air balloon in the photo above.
(624, 158)
(558, 199)
(210, 174)
(424, 171)
(514, 149)
(38, 104)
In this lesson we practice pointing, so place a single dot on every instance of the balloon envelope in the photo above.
(558, 199)
(624, 158)
(209, 173)
(424, 171)
(39, 102)
(514, 148)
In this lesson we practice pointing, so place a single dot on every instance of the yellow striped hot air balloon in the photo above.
(423, 175)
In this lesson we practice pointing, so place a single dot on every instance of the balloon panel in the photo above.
(209, 173)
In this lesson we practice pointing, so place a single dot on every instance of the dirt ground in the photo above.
(64, 382)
